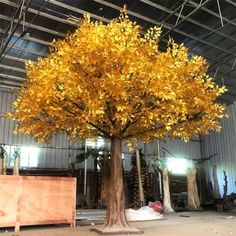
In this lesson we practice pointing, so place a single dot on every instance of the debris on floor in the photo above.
(143, 214)
(181, 215)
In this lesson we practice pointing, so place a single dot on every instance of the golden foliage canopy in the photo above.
(112, 81)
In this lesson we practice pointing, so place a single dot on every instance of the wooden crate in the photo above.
(34, 200)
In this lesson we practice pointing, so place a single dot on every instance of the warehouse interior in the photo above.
(207, 28)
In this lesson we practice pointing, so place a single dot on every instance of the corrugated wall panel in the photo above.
(169, 148)
(176, 148)
(52, 155)
(56, 153)
(224, 145)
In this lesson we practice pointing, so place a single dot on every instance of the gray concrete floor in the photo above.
(177, 224)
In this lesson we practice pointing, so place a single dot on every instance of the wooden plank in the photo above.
(73, 220)
(18, 209)
(9, 186)
(33, 200)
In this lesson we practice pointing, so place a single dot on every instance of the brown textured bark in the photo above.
(105, 179)
(140, 184)
(166, 189)
(116, 222)
(1, 166)
(193, 198)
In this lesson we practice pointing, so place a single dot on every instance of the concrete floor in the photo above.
(177, 224)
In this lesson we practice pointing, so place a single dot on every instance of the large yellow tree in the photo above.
(112, 81)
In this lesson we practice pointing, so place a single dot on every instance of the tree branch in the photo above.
(105, 134)
(109, 115)
(195, 117)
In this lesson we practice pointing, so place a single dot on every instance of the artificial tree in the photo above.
(101, 159)
(110, 80)
(139, 182)
(166, 191)
(16, 167)
(193, 197)
(3, 160)
(216, 187)
(2, 156)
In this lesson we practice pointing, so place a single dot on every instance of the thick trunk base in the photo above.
(166, 189)
(116, 222)
(169, 210)
(193, 198)
(117, 231)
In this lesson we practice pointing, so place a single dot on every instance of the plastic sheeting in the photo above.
(143, 214)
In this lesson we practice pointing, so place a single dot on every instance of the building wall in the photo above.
(223, 144)
(55, 154)
(169, 148)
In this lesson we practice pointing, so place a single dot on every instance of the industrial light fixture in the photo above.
(25, 34)
(178, 165)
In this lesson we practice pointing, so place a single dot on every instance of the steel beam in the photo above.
(77, 10)
(168, 27)
(8, 86)
(226, 73)
(137, 15)
(213, 13)
(222, 62)
(12, 58)
(13, 30)
(11, 77)
(184, 18)
(31, 10)
(25, 50)
(155, 5)
(231, 2)
(31, 39)
(33, 26)
(11, 68)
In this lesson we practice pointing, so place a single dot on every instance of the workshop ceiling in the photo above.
(206, 27)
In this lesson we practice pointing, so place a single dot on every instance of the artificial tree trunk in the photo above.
(95, 183)
(5, 160)
(116, 222)
(166, 189)
(225, 187)
(1, 166)
(216, 184)
(193, 198)
(16, 165)
(140, 184)
(106, 172)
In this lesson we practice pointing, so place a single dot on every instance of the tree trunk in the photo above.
(193, 198)
(166, 190)
(106, 172)
(16, 165)
(216, 184)
(5, 162)
(116, 222)
(95, 183)
(225, 187)
(1, 166)
(140, 184)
